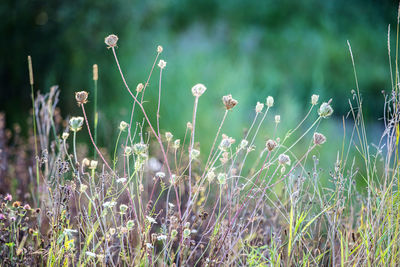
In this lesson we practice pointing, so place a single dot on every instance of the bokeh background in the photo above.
(250, 48)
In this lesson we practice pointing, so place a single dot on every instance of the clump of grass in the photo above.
(157, 200)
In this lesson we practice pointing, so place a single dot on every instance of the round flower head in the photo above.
(168, 136)
(259, 107)
(128, 151)
(271, 144)
(270, 101)
(229, 102)
(198, 89)
(139, 148)
(314, 99)
(319, 139)
(159, 49)
(65, 135)
(186, 233)
(222, 178)
(139, 87)
(81, 97)
(122, 126)
(93, 164)
(75, 123)
(162, 64)
(111, 40)
(325, 110)
(284, 159)
(277, 119)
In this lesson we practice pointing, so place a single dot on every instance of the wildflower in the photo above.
(259, 107)
(31, 231)
(93, 164)
(210, 175)
(27, 207)
(174, 233)
(2, 216)
(226, 142)
(122, 126)
(111, 40)
(195, 153)
(16, 204)
(13, 219)
(270, 144)
(130, 224)
(37, 210)
(222, 178)
(243, 144)
(149, 246)
(229, 102)
(198, 89)
(65, 135)
(162, 64)
(75, 123)
(139, 87)
(83, 188)
(170, 205)
(161, 237)
(112, 231)
(109, 204)
(277, 119)
(177, 143)
(81, 97)
(151, 220)
(139, 148)
(319, 139)
(325, 110)
(8, 197)
(90, 254)
(173, 179)
(159, 49)
(284, 159)
(186, 233)
(160, 175)
(123, 208)
(314, 99)
(270, 101)
(189, 125)
(121, 180)
(168, 136)
(128, 151)
(85, 162)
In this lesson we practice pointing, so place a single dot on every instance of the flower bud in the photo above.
(139, 87)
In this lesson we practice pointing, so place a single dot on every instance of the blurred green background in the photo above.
(249, 48)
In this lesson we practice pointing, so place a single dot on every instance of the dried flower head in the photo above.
(128, 151)
(243, 144)
(93, 164)
(222, 178)
(139, 87)
(83, 188)
(177, 143)
(140, 148)
(229, 102)
(270, 101)
(159, 49)
(319, 139)
(123, 208)
(226, 142)
(65, 135)
(270, 144)
(111, 40)
(81, 97)
(162, 64)
(277, 119)
(198, 89)
(210, 175)
(186, 233)
(123, 125)
(168, 136)
(284, 159)
(75, 123)
(130, 224)
(259, 107)
(325, 110)
(314, 99)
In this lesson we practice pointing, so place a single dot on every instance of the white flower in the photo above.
(162, 64)
(123, 125)
(259, 107)
(109, 204)
(277, 119)
(284, 159)
(270, 101)
(314, 99)
(121, 180)
(151, 220)
(198, 89)
(162, 237)
(90, 254)
(325, 110)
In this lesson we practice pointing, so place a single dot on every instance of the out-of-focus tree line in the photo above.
(249, 48)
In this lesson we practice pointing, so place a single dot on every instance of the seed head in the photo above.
(177, 143)
(81, 97)
(162, 64)
(122, 126)
(93, 164)
(186, 233)
(271, 144)
(222, 178)
(325, 110)
(284, 159)
(314, 99)
(130, 224)
(198, 89)
(168, 136)
(319, 139)
(226, 142)
(259, 107)
(128, 151)
(159, 49)
(111, 40)
(243, 144)
(139, 87)
(277, 119)
(75, 123)
(270, 101)
(229, 102)
(139, 148)
(210, 175)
